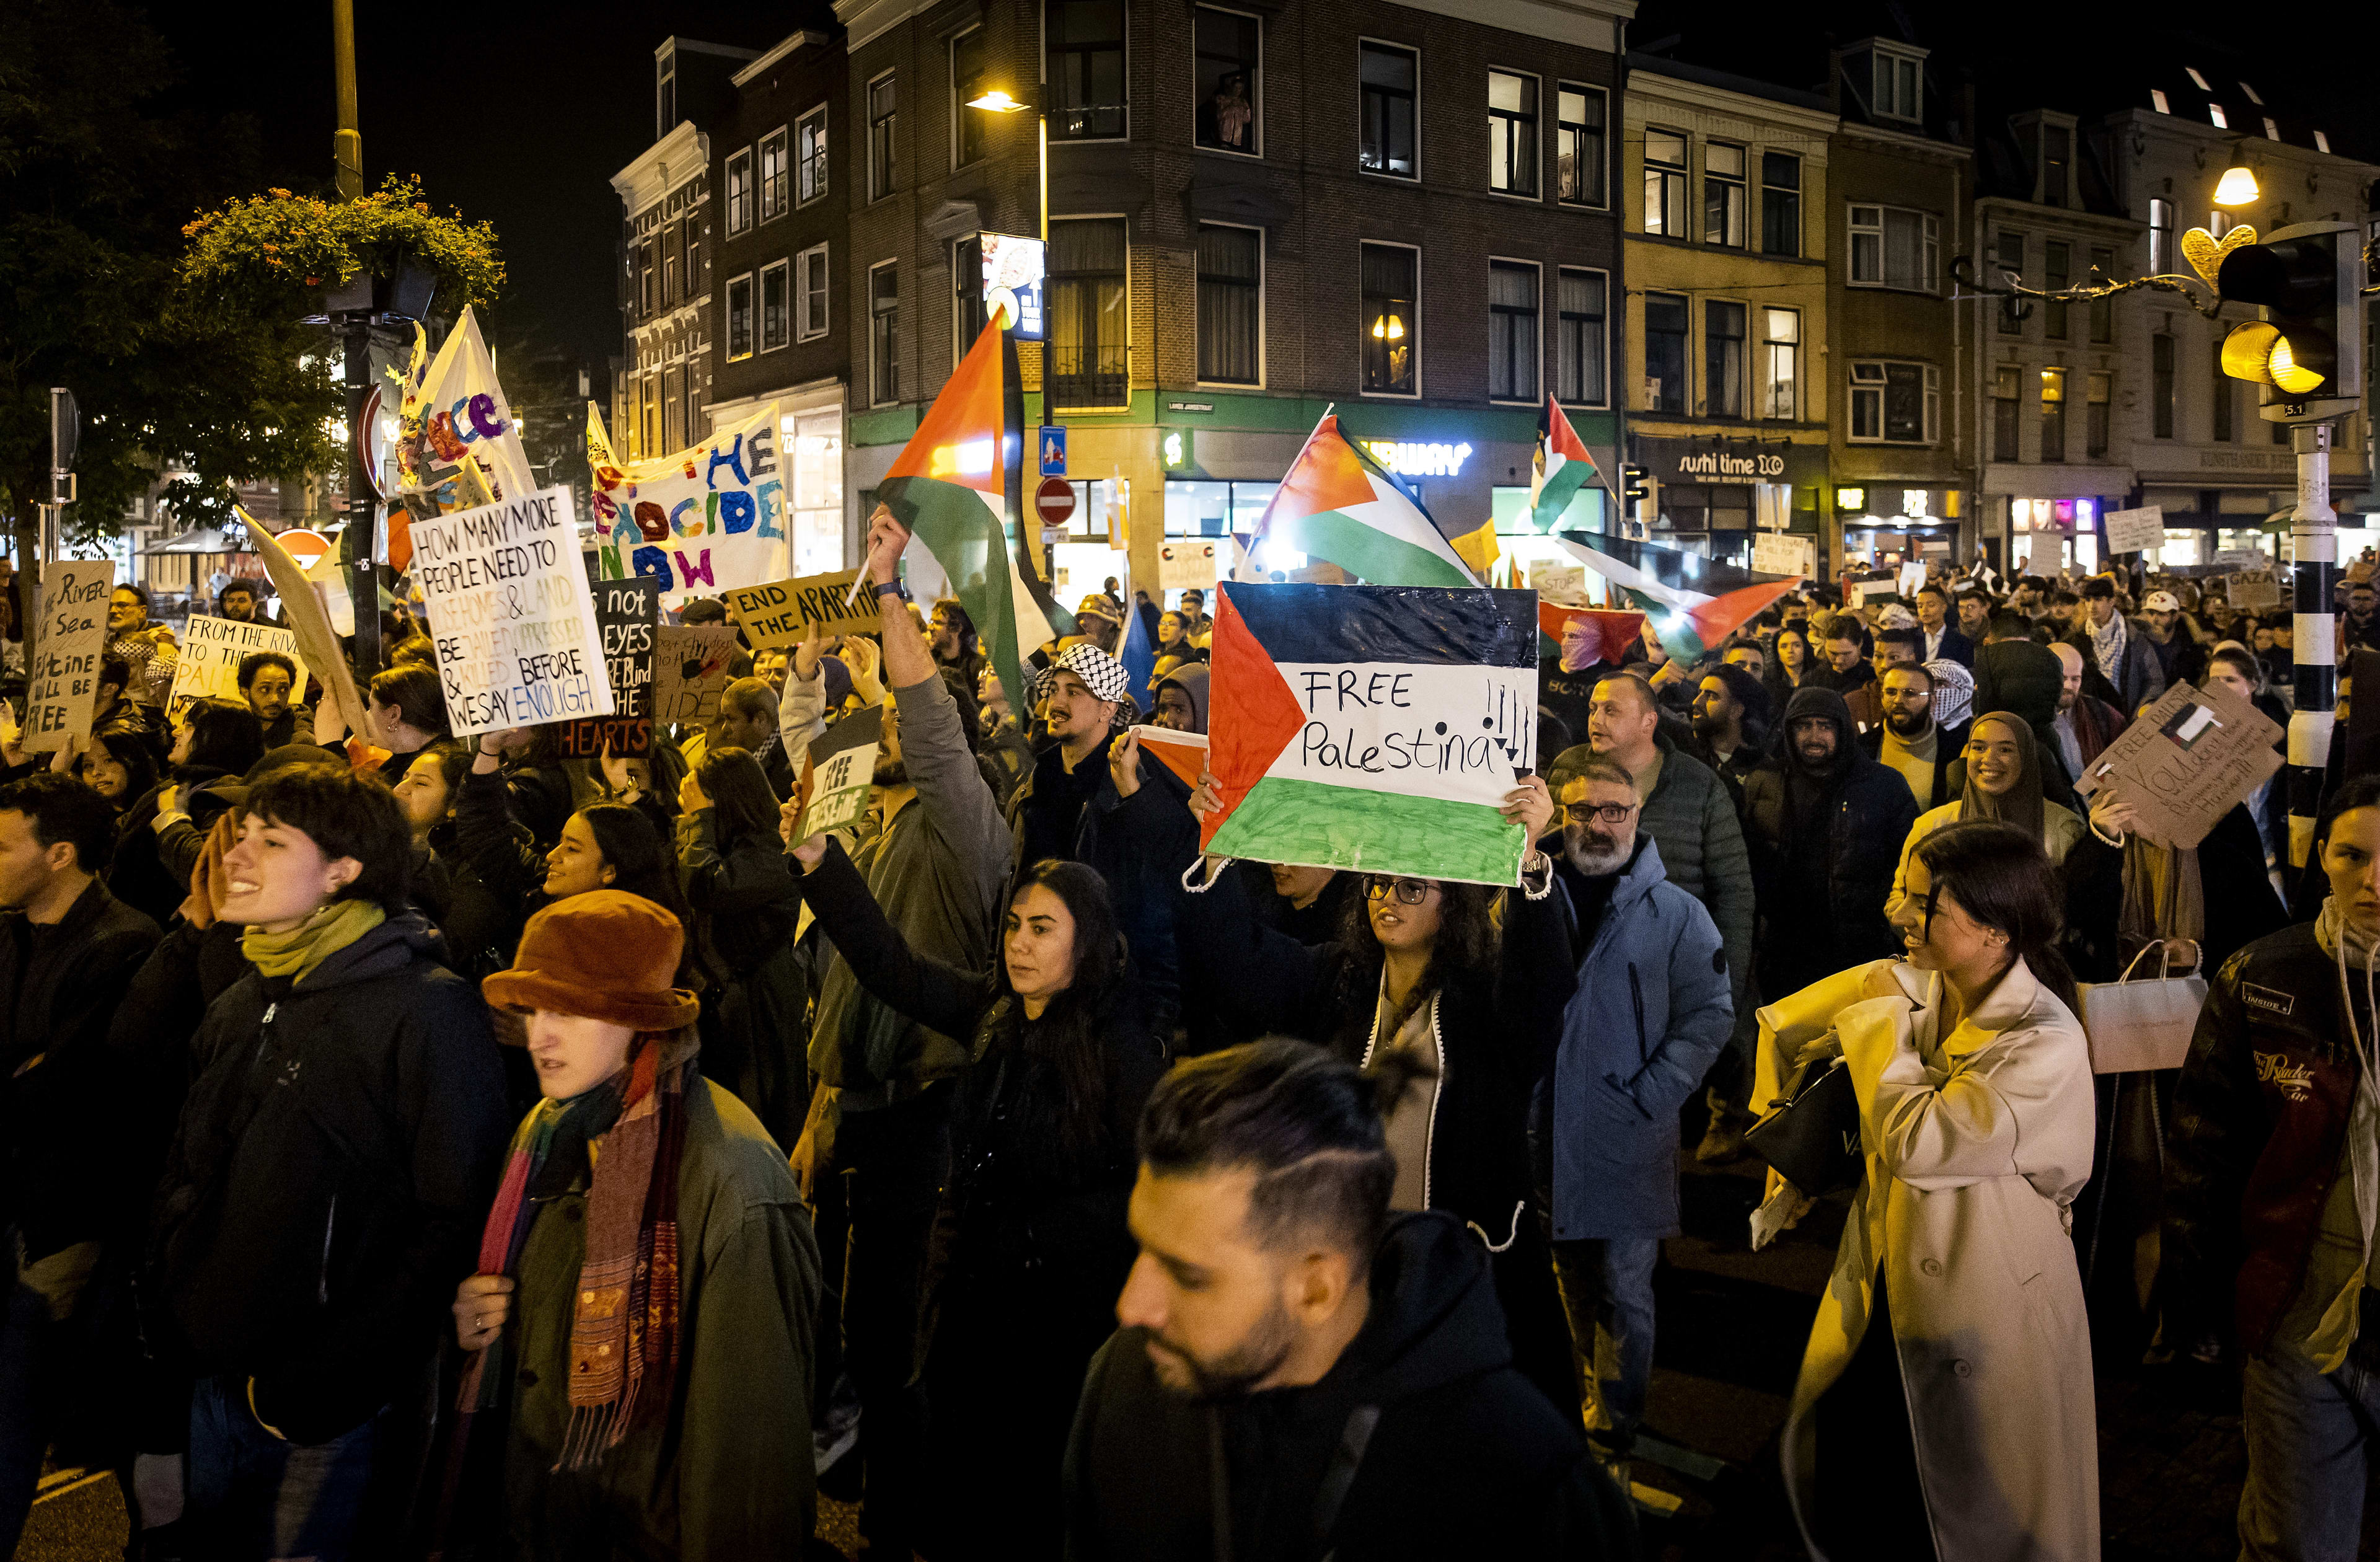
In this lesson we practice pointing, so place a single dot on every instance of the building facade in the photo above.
(1727, 203)
(1256, 212)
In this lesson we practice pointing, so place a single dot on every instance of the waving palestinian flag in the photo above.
(1559, 470)
(1339, 504)
(1372, 727)
(949, 488)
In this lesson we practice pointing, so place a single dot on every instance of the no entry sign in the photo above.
(1054, 501)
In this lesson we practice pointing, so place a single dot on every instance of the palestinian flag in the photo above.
(1371, 727)
(1339, 504)
(1559, 470)
(949, 486)
(1614, 631)
(1687, 632)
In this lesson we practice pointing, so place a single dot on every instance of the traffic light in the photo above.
(2306, 347)
(1632, 483)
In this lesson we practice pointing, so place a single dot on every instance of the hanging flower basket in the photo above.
(280, 253)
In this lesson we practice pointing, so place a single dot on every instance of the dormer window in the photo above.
(2271, 131)
(2197, 81)
(2215, 112)
(1899, 87)
(2251, 95)
(664, 91)
(2156, 100)
(2321, 143)
(2056, 158)
(2047, 140)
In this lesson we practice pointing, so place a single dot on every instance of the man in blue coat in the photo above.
(1651, 1012)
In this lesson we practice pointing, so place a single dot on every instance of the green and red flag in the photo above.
(1560, 468)
(1612, 630)
(1339, 504)
(1687, 632)
(950, 485)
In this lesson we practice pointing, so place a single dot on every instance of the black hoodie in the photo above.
(1465, 1458)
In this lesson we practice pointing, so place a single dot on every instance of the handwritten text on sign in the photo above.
(67, 646)
(690, 666)
(627, 612)
(779, 614)
(212, 650)
(516, 631)
(1425, 729)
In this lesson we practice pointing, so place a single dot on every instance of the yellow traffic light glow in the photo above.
(2238, 187)
(2257, 352)
(2286, 373)
(997, 101)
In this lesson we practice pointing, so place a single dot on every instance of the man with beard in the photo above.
(1909, 742)
(1974, 606)
(1825, 825)
(1730, 711)
(1843, 641)
(1643, 947)
(935, 852)
(1295, 1377)
(2178, 655)
(2084, 724)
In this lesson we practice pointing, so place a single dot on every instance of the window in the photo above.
(694, 287)
(1511, 331)
(673, 409)
(1781, 203)
(2055, 260)
(1722, 194)
(882, 103)
(1086, 313)
(2215, 116)
(2006, 383)
(2161, 387)
(1392, 324)
(776, 305)
(1582, 374)
(1665, 183)
(970, 73)
(2157, 100)
(1780, 363)
(809, 294)
(1722, 359)
(653, 418)
(1898, 87)
(2102, 309)
(2053, 414)
(1086, 69)
(2057, 156)
(2226, 404)
(1512, 133)
(1665, 352)
(1229, 84)
(2095, 388)
(649, 300)
(1578, 146)
(1891, 248)
(695, 430)
(739, 317)
(966, 272)
(1391, 78)
(1901, 403)
(1231, 304)
(884, 333)
(739, 192)
(2161, 237)
(2011, 260)
(809, 156)
(670, 240)
(774, 202)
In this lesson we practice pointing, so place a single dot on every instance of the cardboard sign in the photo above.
(69, 640)
(212, 650)
(776, 616)
(1563, 583)
(698, 521)
(1781, 554)
(843, 772)
(627, 612)
(2187, 761)
(302, 604)
(2242, 558)
(2255, 590)
(516, 631)
(690, 672)
(2132, 531)
(1185, 564)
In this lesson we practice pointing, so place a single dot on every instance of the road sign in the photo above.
(306, 547)
(1053, 450)
(1054, 501)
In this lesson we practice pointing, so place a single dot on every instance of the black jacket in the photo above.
(150, 869)
(335, 1161)
(60, 1178)
(745, 906)
(1463, 1457)
(1956, 646)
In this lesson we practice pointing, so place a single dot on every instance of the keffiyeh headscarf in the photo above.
(1100, 672)
(1954, 692)
(2107, 648)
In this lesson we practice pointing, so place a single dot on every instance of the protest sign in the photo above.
(2132, 531)
(626, 612)
(1564, 583)
(843, 772)
(212, 650)
(1778, 552)
(699, 521)
(1186, 564)
(1373, 728)
(690, 664)
(776, 616)
(515, 629)
(2255, 590)
(2186, 763)
(2242, 558)
(318, 641)
(68, 641)
(451, 411)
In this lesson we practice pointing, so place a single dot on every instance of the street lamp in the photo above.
(998, 100)
(2238, 186)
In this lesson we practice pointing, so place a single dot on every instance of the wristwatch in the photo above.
(895, 587)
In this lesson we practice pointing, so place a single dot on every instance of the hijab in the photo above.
(2021, 805)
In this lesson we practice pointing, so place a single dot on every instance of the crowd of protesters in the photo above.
(434, 1147)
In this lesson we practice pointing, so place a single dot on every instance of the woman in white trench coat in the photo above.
(1975, 1116)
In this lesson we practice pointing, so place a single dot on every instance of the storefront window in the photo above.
(817, 441)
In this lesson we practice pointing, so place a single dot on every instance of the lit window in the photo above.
(2272, 131)
(809, 279)
(809, 156)
(2156, 100)
(2215, 112)
(2321, 143)
(1722, 194)
(2197, 81)
(1512, 133)
(1665, 183)
(774, 201)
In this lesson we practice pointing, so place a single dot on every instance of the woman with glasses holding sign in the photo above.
(1460, 1024)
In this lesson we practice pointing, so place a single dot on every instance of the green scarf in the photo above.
(296, 953)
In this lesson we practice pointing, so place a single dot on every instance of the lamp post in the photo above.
(998, 100)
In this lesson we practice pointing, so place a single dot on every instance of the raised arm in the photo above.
(939, 996)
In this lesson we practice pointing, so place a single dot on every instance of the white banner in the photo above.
(1779, 554)
(509, 611)
(699, 521)
(453, 406)
(2130, 531)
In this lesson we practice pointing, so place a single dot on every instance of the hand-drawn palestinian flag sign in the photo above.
(1372, 727)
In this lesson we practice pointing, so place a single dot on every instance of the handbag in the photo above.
(2132, 1025)
(1812, 1134)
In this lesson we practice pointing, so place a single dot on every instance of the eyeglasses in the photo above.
(1409, 892)
(1610, 813)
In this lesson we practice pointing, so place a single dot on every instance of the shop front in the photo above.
(2043, 517)
(1713, 494)
(1885, 526)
